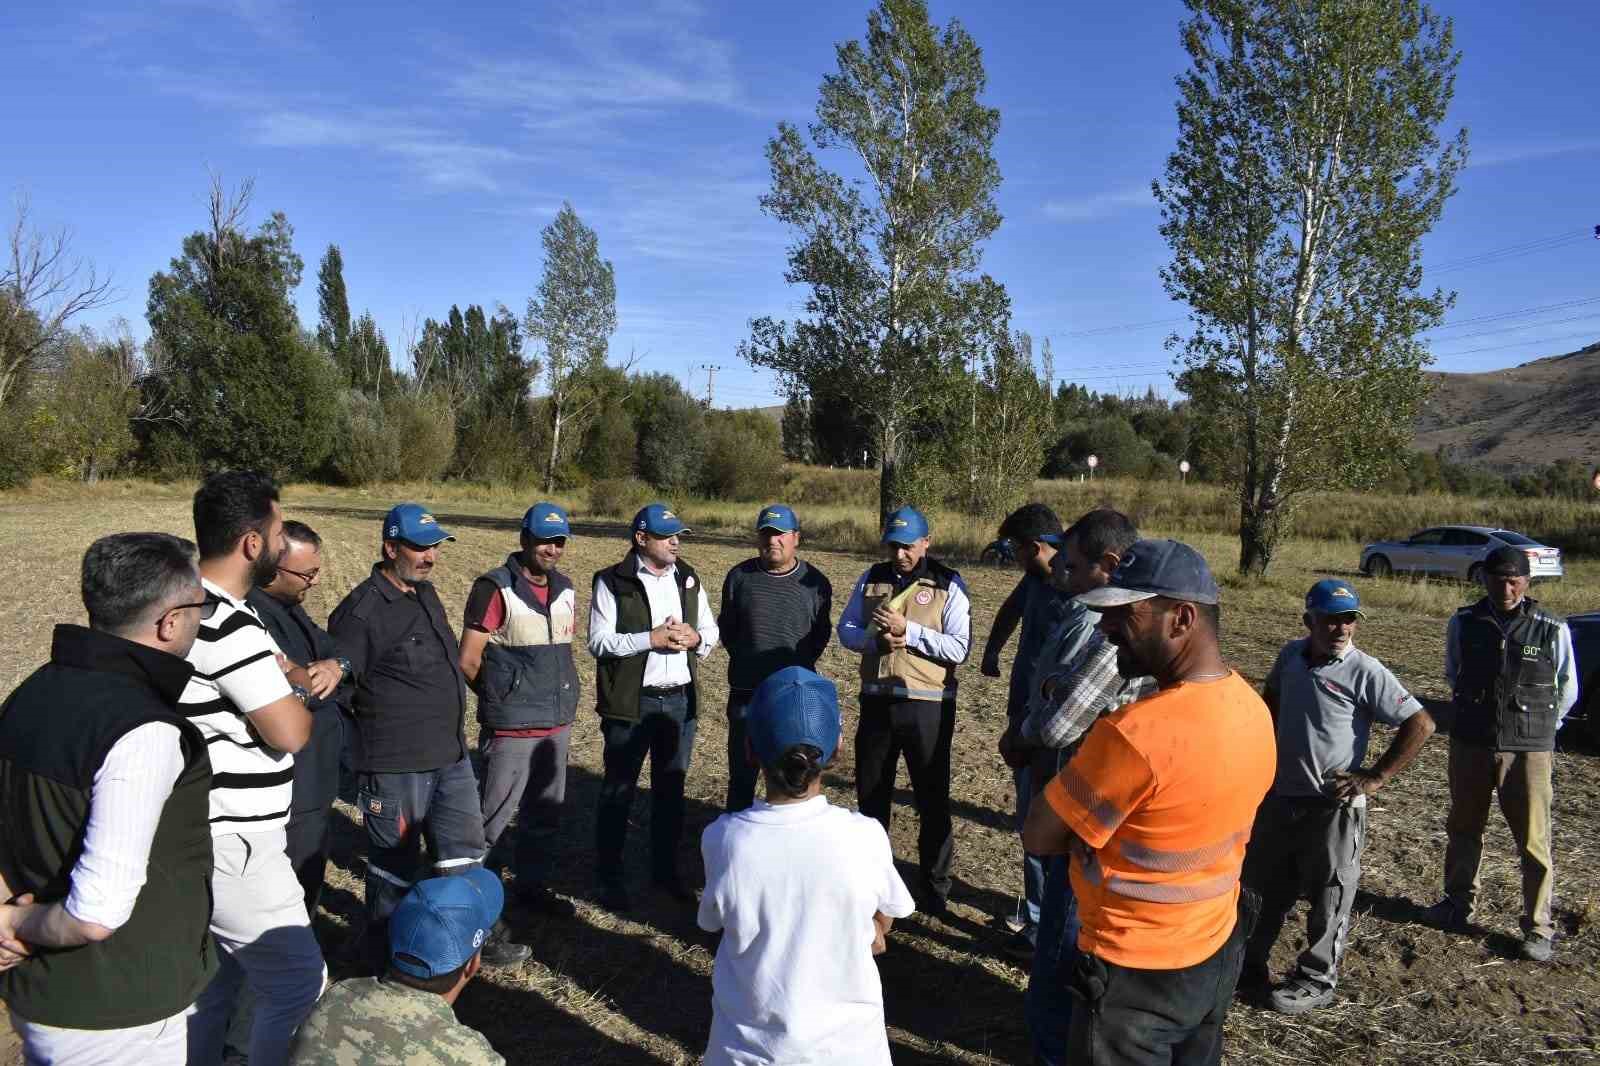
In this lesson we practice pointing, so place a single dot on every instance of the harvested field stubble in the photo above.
(604, 990)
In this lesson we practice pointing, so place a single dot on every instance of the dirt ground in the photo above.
(604, 990)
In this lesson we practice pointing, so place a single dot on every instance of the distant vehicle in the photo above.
(1455, 551)
(1000, 552)
(1585, 714)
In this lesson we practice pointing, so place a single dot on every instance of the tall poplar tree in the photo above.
(1308, 168)
(891, 260)
(333, 309)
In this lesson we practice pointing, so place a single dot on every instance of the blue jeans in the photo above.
(665, 734)
(400, 811)
(1048, 1005)
(1032, 865)
(742, 776)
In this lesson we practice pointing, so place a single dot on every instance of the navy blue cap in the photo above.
(658, 520)
(905, 526)
(411, 522)
(1332, 596)
(1153, 568)
(779, 517)
(793, 706)
(443, 921)
(546, 521)
(1507, 562)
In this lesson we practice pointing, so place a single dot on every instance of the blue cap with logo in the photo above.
(905, 526)
(412, 522)
(1332, 596)
(1154, 568)
(777, 517)
(658, 520)
(546, 521)
(793, 706)
(443, 921)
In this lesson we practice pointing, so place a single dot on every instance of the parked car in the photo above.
(1455, 551)
(1585, 714)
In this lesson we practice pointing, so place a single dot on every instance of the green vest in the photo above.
(55, 731)
(619, 681)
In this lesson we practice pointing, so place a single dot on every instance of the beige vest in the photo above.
(905, 674)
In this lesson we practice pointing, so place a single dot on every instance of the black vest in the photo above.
(528, 679)
(619, 681)
(55, 731)
(1505, 692)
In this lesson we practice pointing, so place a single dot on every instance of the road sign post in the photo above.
(1093, 461)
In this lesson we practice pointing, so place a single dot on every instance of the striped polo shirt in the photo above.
(236, 671)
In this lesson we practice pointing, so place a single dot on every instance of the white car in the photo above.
(1455, 551)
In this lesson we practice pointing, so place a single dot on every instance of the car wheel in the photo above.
(1378, 566)
(1475, 574)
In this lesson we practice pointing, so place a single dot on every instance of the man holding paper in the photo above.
(910, 621)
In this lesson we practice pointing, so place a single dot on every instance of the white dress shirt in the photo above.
(663, 669)
(130, 791)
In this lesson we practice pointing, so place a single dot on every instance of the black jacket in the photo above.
(316, 766)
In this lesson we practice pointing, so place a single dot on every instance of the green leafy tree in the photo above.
(1010, 428)
(95, 396)
(573, 314)
(671, 428)
(890, 261)
(368, 359)
(333, 309)
(744, 450)
(1307, 170)
(795, 429)
(248, 386)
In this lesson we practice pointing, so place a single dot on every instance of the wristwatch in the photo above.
(344, 667)
(301, 693)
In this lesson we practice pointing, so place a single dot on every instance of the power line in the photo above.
(1510, 251)
(1517, 344)
(1517, 326)
(1521, 312)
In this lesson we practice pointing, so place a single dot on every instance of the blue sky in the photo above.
(432, 142)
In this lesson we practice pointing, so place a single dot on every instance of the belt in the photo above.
(657, 693)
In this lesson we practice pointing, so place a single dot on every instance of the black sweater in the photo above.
(770, 621)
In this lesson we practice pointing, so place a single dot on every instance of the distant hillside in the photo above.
(1525, 416)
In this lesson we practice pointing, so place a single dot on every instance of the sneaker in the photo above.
(1536, 948)
(500, 950)
(1299, 995)
(540, 900)
(1020, 945)
(1448, 916)
(614, 897)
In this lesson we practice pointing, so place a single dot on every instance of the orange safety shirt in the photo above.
(1163, 793)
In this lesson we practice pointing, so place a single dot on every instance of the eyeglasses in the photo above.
(207, 607)
(308, 576)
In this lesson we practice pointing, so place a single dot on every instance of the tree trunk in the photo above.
(888, 473)
(1259, 530)
(555, 445)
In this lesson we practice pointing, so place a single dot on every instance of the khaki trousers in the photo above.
(1522, 781)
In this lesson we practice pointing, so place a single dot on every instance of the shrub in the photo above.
(425, 429)
(496, 449)
(609, 444)
(618, 497)
(743, 452)
(366, 448)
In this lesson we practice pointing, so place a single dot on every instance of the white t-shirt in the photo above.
(793, 889)
(236, 671)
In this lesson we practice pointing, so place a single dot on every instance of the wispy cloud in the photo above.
(1505, 154)
(1100, 205)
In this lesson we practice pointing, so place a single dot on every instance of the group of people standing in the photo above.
(166, 782)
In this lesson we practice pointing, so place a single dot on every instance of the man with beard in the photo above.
(415, 779)
(650, 625)
(253, 720)
(1155, 809)
(776, 612)
(516, 653)
(911, 622)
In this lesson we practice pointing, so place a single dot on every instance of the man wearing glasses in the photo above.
(105, 846)
(409, 700)
(279, 603)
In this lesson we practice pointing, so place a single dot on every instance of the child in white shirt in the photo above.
(803, 893)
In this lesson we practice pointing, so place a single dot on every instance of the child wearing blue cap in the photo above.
(803, 893)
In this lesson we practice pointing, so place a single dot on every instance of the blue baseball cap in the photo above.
(658, 520)
(443, 921)
(546, 521)
(905, 526)
(411, 522)
(1331, 596)
(793, 706)
(779, 517)
(1154, 568)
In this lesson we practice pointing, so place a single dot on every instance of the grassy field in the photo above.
(604, 990)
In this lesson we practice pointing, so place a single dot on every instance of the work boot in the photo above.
(1447, 915)
(1536, 947)
(500, 950)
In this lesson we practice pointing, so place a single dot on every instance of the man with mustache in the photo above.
(415, 778)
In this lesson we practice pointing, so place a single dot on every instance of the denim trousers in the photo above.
(664, 734)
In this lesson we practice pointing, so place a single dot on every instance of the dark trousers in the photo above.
(922, 730)
(742, 776)
(306, 843)
(436, 808)
(1307, 847)
(1129, 1017)
(664, 733)
(1048, 1003)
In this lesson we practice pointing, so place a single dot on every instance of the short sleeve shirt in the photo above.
(1325, 714)
(793, 889)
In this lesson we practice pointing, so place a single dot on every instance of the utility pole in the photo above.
(711, 382)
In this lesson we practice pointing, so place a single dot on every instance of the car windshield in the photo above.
(1514, 538)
